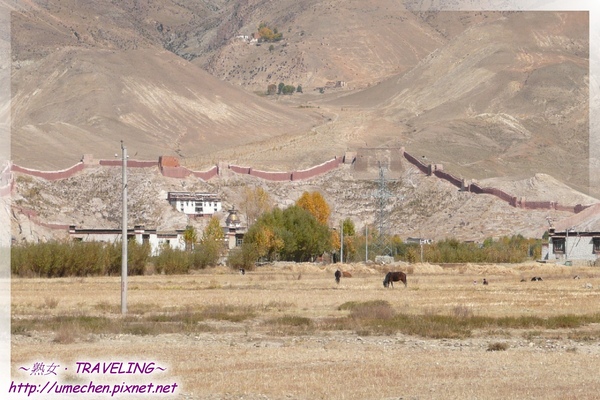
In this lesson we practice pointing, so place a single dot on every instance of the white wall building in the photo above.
(195, 204)
(570, 245)
(174, 239)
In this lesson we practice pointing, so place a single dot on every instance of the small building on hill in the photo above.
(194, 203)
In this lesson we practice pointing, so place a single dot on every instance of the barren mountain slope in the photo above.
(486, 94)
(78, 101)
(323, 41)
(508, 97)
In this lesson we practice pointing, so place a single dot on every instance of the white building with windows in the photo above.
(194, 203)
(157, 240)
(576, 238)
(572, 245)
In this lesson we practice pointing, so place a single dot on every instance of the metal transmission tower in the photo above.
(382, 244)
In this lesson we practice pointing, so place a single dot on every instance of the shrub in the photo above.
(497, 346)
(171, 261)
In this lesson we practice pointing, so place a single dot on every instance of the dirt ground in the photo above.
(253, 359)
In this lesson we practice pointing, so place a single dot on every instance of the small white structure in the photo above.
(195, 204)
(174, 239)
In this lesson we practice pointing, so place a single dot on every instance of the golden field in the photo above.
(288, 331)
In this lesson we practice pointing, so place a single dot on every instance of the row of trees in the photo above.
(302, 232)
(282, 88)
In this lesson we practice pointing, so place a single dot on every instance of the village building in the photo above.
(194, 203)
(157, 240)
(575, 239)
(571, 245)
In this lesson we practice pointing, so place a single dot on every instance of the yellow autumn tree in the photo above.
(315, 204)
(255, 202)
(267, 242)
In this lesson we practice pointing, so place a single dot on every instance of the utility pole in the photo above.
(342, 244)
(366, 243)
(124, 235)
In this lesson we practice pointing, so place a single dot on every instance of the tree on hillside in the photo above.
(315, 204)
(272, 89)
(280, 87)
(267, 34)
(299, 89)
(288, 89)
(255, 201)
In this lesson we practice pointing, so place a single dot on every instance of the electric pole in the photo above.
(124, 235)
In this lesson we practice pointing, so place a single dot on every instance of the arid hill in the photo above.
(490, 95)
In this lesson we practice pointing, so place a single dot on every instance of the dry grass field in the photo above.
(290, 332)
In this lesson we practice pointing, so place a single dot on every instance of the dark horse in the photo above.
(338, 275)
(392, 277)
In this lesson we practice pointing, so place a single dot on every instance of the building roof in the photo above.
(195, 196)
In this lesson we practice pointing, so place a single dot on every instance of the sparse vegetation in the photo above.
(498, 346)
(268, 34)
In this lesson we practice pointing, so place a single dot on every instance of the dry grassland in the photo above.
(276, 333)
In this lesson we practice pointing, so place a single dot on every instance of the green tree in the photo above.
(288, 89)
(299, 89)
(293, 234)
(271, 48)
(280, 87)
(350, 252)
(304, 237)
(211, 246)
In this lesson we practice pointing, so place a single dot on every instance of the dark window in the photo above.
(596, 242)
(559, 245)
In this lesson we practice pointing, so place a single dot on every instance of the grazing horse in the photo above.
(338, 275)
(536, 278)
(392, 277)
(346, 274)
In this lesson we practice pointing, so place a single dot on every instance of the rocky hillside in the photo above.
(418, 205)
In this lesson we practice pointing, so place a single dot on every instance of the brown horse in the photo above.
(392, 277)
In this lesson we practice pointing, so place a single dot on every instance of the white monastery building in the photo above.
(195, 204)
